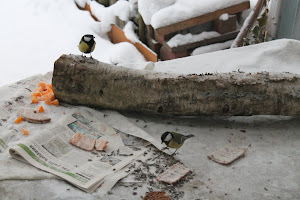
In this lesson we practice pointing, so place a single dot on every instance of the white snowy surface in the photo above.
(274, 56)
(224, 17)
(148, 8)
(182, 10)
(180, 39)
(38, 32)
(124, 51)
(129, 32)
(211, 48)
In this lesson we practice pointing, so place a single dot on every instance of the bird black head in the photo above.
(166, 137)
(88, 38)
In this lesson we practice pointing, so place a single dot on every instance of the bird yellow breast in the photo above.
(83, 47)
(174, 145)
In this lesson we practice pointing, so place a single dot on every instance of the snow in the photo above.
(180, 39)
(41, 31)
(148, 8)
(274, 56)
(212, 48)
(224, 17)
(129, 32)
(81, 3)
(182, 10)
(125, 51)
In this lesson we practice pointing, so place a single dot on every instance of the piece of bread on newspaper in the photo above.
(173, 174)
(32, 116)
(101, 144)
(82, 141)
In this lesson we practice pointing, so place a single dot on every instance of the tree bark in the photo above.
(238, 42)
(84, 81)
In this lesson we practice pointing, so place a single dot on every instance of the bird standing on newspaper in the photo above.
(174, 140)
(87, 44)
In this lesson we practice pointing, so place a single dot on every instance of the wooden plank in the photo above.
(87, 7)
(203, 18)
(221, 38)
(225, 26)
(153, 44)
(117, 35)
(166, 54)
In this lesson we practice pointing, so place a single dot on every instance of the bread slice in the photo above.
(227, 154)
(32, 116)
(82, 141)
(156, 196)
(173, 174)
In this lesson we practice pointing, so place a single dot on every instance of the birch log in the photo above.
(84, 81)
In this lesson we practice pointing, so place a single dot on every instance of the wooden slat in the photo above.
(203, 18)
(221, 38)
(117, 35)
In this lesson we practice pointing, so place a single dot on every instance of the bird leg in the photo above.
(91, 55)
(174, 152)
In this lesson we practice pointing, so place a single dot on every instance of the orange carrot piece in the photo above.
(49, 86)
(24, 131)
(18, 120)
(40, 109)
(55, 102)
(42, 85)
(36, 93)
(34, 100)
(47, 91)
(48, 101)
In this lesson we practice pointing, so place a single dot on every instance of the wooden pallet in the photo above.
(202, 19)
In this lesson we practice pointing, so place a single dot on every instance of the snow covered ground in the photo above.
(35, 33)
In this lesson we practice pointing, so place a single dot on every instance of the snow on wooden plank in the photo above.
(202, 19)
(117, 35)
(221, 38)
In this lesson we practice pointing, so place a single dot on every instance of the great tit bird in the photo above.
(87, 44)
(174, 140)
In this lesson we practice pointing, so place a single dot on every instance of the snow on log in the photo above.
(84, 81)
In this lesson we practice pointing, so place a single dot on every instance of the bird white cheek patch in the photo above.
(87, 39)
(168, 138)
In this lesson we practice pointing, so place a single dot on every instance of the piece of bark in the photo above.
(227, 155)
(32, 116)
(84, 81)
(173, 174)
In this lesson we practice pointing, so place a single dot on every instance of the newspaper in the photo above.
(51, 151)
(47, 147)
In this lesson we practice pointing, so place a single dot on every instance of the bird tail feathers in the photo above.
(190, 135)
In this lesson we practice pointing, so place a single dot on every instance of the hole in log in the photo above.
(160, 109)
(101, 92)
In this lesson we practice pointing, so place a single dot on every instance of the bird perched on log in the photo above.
(174, 140)
(87, 44)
